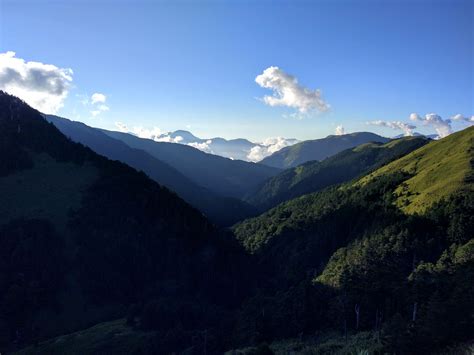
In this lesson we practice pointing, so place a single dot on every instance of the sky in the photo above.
(251, 69)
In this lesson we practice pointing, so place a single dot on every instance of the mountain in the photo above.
(221, 210)
(223, 176)
(84, 239)
(235, 149)
(344, 166)
(385, 261)
(96, 257)
(417, 134)
(183, 137)
(319, 149)
(435, 172)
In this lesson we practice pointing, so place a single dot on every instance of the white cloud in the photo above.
(442, 127)
(340, 130)
(42, 86)
(460, 117)
(396, 125)
(99, 109)
(97, 101)
(168, 139)
(98, 98)
(268, 147)
(204, 146)
(154, 133)
(287, 92)
(256, 153)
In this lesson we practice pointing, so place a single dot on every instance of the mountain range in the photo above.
(219, 208)
(319, 149)
(235, 149)
(367, 248)
(313, 176)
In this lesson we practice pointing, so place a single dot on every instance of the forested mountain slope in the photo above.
(84, 238)
(226, 177)
(314, 176)
(221, 210)
(349, 258)
(319, 149)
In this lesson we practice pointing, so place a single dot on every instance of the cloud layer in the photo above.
(218, 146)
(441, 126)
(406, 128)
(42, 86)
(287, 92)
(268, 147)
(462, 118)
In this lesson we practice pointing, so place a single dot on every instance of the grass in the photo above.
(49, 190)
(363, 343)
(437, 170)
(113, 337)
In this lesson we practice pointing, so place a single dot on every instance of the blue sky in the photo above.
(192, 65)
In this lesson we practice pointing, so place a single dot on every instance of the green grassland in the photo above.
(436, 170)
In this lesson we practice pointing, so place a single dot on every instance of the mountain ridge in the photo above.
(341, 167)
(221, 210)
(319, 149)
(226, 177)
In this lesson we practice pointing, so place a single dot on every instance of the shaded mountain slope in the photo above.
(84, 238)
(226, 177)
(319, 149)
(221, 210)
(347, 165)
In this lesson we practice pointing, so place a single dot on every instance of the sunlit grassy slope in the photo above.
(436, 170)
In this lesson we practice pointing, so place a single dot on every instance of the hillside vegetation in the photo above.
(436, 171)
(223, 176)
(348, 258)
(85, 239)
(96, 257)
(221, 210)
(314, 176)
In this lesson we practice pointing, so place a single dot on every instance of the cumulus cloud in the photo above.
(42, 86)
(97, 101)
(442, 127)
(98, 98)
(288, 92)
(268, 147)
(406, 128)
(462, 118)
(340, 130)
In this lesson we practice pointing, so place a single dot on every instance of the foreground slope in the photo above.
(350, 259)
(319, 149)
(83, 238)
(221, 210)
(314, 176)
(436, 171)
(226, 177)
